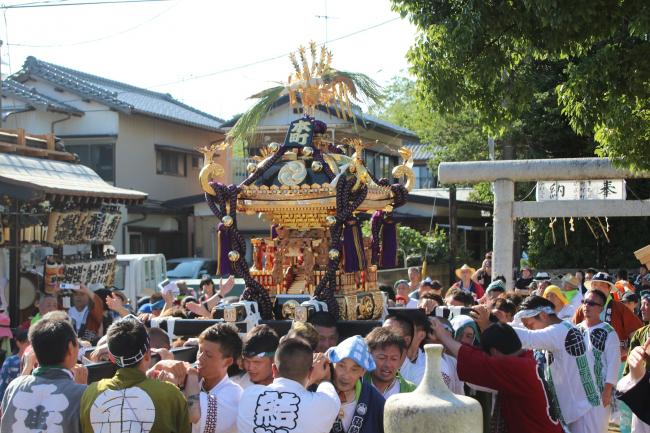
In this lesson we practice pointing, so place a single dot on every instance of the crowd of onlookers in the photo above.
(549, 354)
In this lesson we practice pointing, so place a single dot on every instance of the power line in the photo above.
(32, 3)
(4, 13)
(246, 65)
(35, 3)
(89, 41)
(47, 4)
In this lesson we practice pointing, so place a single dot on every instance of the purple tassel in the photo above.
(224, 246)
(320, 127)
(354, 257)
(274, 231)
(375, 227)
(388, 244)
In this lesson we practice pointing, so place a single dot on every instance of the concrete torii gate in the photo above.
(505, 173)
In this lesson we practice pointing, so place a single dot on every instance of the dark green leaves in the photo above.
(500, 57)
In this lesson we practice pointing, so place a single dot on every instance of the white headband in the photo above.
(527, 314)
(127, 361)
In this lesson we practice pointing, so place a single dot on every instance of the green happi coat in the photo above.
(135, 402)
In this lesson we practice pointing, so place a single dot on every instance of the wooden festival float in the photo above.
(56, 216)
(312, 191)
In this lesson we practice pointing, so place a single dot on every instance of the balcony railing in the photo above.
(239, 172)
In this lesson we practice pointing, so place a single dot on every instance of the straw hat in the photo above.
(570, 280)
(465, 267)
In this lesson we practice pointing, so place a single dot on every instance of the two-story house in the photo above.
(132, 137)
(428, 205)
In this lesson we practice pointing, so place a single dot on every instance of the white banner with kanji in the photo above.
(581, 190)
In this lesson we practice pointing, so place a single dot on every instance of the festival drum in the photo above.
(28, 287)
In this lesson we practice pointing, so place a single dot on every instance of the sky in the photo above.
(210, 54)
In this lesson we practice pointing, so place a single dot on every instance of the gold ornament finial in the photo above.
(406, 168)
(314, 82)
(211, 170)
(357, 167)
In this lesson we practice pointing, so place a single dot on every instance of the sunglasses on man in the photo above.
(591, 303)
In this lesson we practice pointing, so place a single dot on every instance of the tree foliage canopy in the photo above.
(452, 136)
(492, 57)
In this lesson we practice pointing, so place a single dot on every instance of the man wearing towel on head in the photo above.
(362, 406)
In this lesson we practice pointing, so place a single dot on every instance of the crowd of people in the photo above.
(563, 354)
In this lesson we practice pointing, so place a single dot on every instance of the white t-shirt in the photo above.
(576, 301)
(567, 356)
(78, 317)
(448, 369)
(220, 405)
(285, 405)
(605, 352)
(348, 413)
(566, 313)
(391, 390)
(414, 371)
(412, 303)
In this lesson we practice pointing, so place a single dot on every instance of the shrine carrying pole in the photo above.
(504, 174)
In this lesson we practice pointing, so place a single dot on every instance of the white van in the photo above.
(139, 274)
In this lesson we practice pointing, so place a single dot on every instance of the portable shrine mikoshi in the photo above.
(312, 190)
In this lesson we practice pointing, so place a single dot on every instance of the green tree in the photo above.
(490, 56)
(452, 136)
(585, 248)
(413, 244)
(540, 132)
(416, 245)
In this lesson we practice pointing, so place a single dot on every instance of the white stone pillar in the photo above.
(503, 234)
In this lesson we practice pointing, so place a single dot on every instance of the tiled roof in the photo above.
(370, 121)
(14, 89)
(462, 194)
(119, 96)
(58, 177)
(421, 151)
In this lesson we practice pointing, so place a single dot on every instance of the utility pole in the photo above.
(326, 18)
